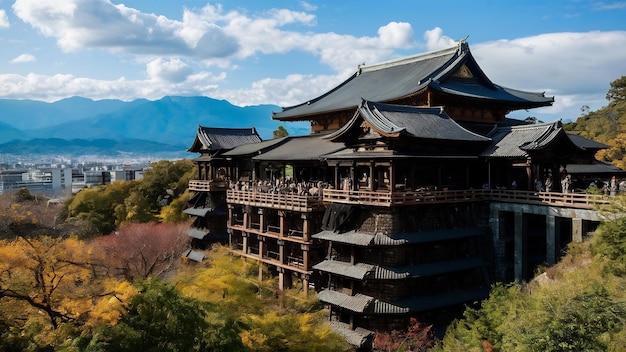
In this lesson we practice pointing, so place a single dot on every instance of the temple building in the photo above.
(386, 208)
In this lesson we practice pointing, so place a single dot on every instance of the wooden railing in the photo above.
(275, 200)
(207, 185)
(386, 198)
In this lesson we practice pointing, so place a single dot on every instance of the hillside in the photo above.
(78, 126)
(606, 125)
(577, 305)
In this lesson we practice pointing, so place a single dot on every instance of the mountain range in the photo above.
(113, 128)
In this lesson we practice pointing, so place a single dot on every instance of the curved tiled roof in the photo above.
(214, 138)
(517, 141)
(391, 120)
(396, 79)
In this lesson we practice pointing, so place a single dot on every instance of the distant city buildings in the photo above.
(58, 180)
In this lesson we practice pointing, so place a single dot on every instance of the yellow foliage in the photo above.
(109, 308)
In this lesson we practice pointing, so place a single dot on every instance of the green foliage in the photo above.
(160, 319)
(165, 181)
(617, 92)
(100, 205)
(606, 125)
(280, 132)
(577, 305)
(173, 212)
(105, 208)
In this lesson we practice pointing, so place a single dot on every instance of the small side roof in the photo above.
(517, 141)
(310, 147)
(217, 138)
(391, 120)
(254, 148)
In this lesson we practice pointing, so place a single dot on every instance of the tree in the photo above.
(165, 181)
(160, 319)
(418, 337)
(100, 205)
(617, 92)
(48, 276)
(138, 251)
(280, 132)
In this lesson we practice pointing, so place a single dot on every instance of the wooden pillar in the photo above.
(245, 242)
(305, 256)
(261, 247)
(281, 278)
(577, 230)
(392, 176)
(281, 251)
(520, 240)
(305, 227)
(305, 284)
(530, 185)
(246, 215)
(551, 240)
(262, 220)
(281, 223)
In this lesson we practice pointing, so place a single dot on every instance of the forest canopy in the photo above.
(606, 125)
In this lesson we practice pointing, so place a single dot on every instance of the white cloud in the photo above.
(23, 58)
(396, 35)
(611, 6)
(435, 40)
(4, 20)
(168, 70)
(86, 24)
(576, 68)
(308, 6)
(211, 34)
(55, 87)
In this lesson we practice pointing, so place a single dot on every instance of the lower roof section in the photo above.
(360, 303)
(364, 239)
(362, 271)
(358, 337)
(363, 304)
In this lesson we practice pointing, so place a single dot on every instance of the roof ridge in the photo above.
(413, 58)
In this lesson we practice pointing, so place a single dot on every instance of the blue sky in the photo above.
(286, 52)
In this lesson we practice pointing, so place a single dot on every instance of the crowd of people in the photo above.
(282, 186)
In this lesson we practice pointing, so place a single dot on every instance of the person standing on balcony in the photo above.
(538, 185)
(549, 184)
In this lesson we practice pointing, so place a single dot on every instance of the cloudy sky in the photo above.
(285, 52)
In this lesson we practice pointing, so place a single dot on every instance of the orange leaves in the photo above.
(139, 251)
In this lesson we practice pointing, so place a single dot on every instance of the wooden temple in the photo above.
(384, 208)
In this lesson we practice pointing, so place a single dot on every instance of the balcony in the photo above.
(401, 198)
(207, 185)
(275, 200)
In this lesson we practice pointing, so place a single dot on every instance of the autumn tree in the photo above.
(50, 293)
(161, 319)
(418, 337)
(271, 322)
(138, 251)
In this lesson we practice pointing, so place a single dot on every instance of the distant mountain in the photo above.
(26, 126)
(8, 132)
(29, 114)
(101, 148)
